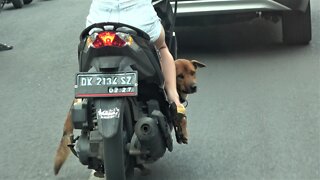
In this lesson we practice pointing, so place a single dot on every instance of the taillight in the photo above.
(111, 38)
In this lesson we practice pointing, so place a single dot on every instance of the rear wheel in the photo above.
(17, 4)
(118, 164)
(296, 27)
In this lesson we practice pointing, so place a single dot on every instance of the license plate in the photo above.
(106, 84)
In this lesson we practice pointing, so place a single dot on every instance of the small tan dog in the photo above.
(186, 84)
(186, 77)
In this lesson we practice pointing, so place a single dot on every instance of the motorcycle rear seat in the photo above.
(114, 27)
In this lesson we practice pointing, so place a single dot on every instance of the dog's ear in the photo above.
(197, 64)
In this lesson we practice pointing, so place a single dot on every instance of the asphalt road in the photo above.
(256, 114)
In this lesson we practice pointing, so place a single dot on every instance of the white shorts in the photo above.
(137, 13)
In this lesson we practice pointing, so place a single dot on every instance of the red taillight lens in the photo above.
(108, 38)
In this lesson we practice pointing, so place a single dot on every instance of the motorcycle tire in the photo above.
(118, 164)
(17, 4)
(27, 1)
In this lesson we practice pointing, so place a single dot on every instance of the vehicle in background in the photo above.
(295, 15)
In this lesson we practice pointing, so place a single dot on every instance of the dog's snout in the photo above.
(193, 88)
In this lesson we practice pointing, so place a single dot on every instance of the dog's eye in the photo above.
(192, 73)
(180, 76)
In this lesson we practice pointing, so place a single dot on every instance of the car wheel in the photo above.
(17, 3)
(27, 1)
(296, 27)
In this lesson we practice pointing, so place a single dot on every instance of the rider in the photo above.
(141, 14)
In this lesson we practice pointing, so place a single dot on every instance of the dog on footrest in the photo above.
(186, 84)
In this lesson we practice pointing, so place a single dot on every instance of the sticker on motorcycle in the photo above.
(109, 114)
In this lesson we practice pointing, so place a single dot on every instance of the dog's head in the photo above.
(186, 76)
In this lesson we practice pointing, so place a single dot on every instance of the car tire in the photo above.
(296, 27)
(27, 1)
(17, 4)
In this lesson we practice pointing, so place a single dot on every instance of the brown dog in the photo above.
(186, 77)
(63, 150)
(186, 84)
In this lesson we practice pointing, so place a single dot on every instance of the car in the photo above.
(294, 15)
(16, 3)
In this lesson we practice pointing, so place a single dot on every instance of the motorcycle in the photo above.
(122, 108)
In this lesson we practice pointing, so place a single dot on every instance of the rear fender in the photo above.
(109, 113)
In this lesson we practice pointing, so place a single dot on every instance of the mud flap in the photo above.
(108, 112)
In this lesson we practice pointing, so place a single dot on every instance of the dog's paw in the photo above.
(183, 125)
(184, 140)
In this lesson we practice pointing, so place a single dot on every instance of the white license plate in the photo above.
(106, 84)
